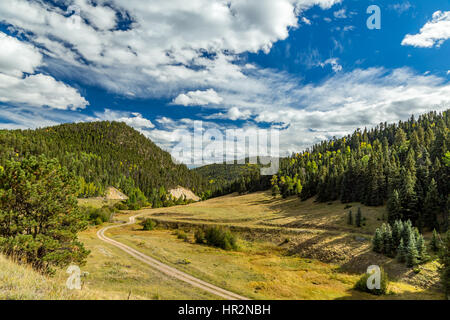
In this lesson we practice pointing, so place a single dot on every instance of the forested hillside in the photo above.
(227, 178)
(405, 165)
(103, 154)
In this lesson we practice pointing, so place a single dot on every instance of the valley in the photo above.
(288, 249)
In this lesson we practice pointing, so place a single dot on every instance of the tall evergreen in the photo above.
(431, 206)
(412, 255)
(358, 218)
(350, 218)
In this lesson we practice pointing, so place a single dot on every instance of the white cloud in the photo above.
(232, 114)
(198, 98)
(340, 14)
(17, 57)
(133, 119)
(19, 84)
(333, 62)
(433, 33)
(170, 47)
(401, 7)
(306, 21)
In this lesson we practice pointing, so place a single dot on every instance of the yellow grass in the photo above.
(21, 282)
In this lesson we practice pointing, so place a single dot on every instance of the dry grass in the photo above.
(21, 282)
(259, 269)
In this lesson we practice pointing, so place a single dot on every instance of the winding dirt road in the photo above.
(170, 271)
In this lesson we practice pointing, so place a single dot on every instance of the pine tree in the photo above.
(350, 218)
(412, 255)
(358, 218)
(422, 249)
(401, 252)
(387, 239)
(377, 241)
(397, 229)
(394, 207)
(431, 206)
(435, 242)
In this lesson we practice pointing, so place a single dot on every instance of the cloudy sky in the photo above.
(311, 68)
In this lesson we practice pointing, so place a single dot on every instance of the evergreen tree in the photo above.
(377, 241)
(422, 249)
(39, 214)
(394, 207)
(412, 255)
(358, 218)
(435, 242)
(431, 206)
(397, 229)
(350, 218)
(401, 252)
(388, 247)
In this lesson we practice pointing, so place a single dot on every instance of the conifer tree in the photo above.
(412, 255)
(401, 252)
(431, 206)
(394, 207)
(377, 241)
(350, 218)
(435, 242)
(422, 249)
(358, 218)
(397, 233)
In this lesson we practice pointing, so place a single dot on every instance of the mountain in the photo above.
(103, 154)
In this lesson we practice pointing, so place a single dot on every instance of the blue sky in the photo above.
(311, 68)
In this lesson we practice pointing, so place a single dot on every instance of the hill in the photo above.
(226, 178)
(103, 154)
(404, 165)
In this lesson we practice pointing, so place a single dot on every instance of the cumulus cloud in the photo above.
(19, 84)
(198, 98)
(433, 33)
(163, 48)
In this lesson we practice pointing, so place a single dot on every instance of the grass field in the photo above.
(258, 270)
(288, 249)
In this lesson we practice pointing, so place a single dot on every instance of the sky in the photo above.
(311, 69)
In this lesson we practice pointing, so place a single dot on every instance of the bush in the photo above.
(182, 235)
(199, 236)
(220, 238)
(361, 285)
(148, 224)
(98, 216)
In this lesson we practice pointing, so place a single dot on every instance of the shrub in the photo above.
(182, 235)
(220, 238)
(361, 285)
(98, 216)
(148, 224)
(199, 236)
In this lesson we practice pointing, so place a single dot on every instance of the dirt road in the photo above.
(168, 270)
